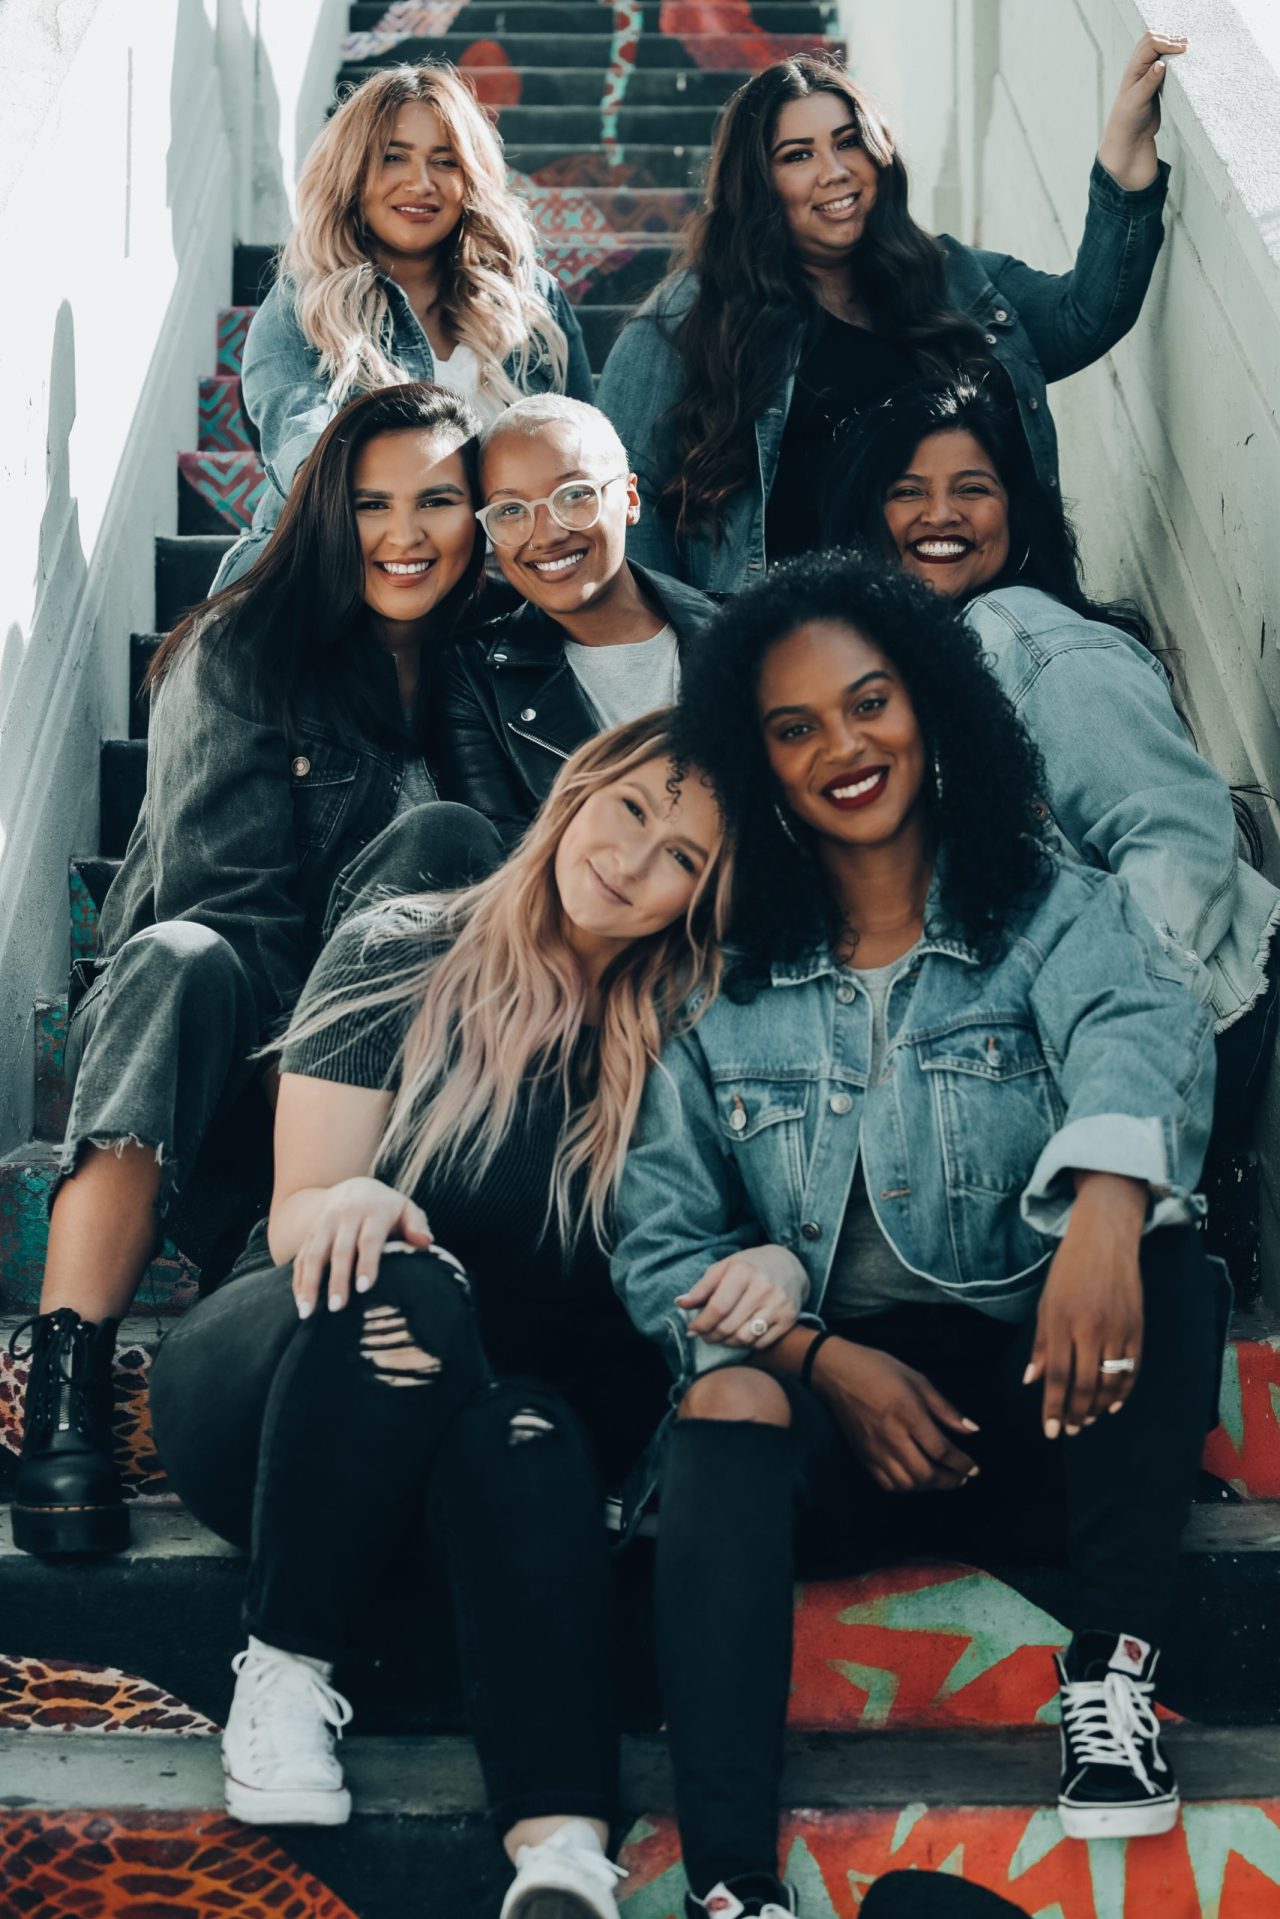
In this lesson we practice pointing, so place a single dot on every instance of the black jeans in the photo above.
(301, 1440)
(744, 1506)
(1244, 1053)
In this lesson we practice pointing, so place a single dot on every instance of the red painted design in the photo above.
(1253, 1465)
(721, 34)
(494, 81)
(61, 1695)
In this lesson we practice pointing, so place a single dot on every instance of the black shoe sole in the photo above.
(74, 1530)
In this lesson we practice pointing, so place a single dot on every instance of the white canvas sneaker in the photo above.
(566, 1877)
(277, 1750)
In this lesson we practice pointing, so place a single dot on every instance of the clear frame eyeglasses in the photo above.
(574, 505)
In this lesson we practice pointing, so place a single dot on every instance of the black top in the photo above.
(544, 1309)
(843, 370)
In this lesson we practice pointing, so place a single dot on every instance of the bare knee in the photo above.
(737, 1392)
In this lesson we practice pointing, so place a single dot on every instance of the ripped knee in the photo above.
(388, 1345)
(737, 1392)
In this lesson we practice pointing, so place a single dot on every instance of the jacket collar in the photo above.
(529, 638)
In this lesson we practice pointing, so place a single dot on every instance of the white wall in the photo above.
(1170, 447)
(121, 193)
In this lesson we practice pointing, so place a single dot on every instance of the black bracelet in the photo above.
(811, 1353)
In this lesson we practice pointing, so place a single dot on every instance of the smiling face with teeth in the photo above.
(948, 515)
(842, 736)
(568, 575)
(414, 515)
(823, 175)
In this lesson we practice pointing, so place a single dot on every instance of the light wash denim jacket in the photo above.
(1128, 791)
(1078, 1047)
(1039, 326)
(287, 397)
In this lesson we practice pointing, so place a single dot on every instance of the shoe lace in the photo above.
(1105, 1720)
(298, 1694)
(43, 1386)
(591, 1860)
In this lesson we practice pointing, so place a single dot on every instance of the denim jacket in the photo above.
(1039, 326)
(1128, 791)
(287, 397)
(245, 828)
(1077, 1047)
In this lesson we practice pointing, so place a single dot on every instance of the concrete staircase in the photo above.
(921, 1693)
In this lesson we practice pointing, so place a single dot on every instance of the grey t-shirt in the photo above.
(866, 1274)
(622, 682)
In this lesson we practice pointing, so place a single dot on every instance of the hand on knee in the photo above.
(737, 1392)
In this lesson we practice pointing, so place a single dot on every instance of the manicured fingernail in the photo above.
(1092, 1420)
(970, 1426)
(335, 1302)
(1051, 1428)
(1116, 1406)
(1030, 1374)
(305, 1308)
(972, 1474)
(363, 1282)
(1072, 1431)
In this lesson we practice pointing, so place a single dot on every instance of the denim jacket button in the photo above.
(499, 659)
(738, 1120)
(811, 1230)
(1034, 404)
(1001, 314)
(840, 1103)
(846, 994)
(528, 713)
(990, 339)
(300, 767)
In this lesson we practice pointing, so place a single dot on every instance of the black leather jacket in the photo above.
(508, 709)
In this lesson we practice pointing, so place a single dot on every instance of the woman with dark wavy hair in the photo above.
(804, 292)
(940, 481)
(957, 1079)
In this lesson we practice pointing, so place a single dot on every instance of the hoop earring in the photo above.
(784, 823)
(1022, 563)
(937, 780)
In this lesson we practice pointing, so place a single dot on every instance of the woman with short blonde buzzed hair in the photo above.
(411, 260)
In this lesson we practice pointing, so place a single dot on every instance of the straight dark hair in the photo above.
(298, 617)
(754, 307)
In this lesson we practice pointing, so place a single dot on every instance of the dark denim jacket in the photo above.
(509, 710)
(1040, 327)
(245, 828)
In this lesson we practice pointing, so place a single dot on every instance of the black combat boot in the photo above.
(66, 1497)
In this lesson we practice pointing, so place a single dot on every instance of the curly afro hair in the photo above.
(988, 824)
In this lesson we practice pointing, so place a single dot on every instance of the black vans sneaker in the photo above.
(756, 1895)
(1116, 1782)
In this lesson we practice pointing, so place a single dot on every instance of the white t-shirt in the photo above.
(622, 682)
(461, 374)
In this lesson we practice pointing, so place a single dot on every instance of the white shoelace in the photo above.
(1105, 1719)
(589, 1857)
(299, 1692)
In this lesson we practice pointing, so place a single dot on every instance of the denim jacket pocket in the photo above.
(996, 1102)
(763, 1121)
(322, 779)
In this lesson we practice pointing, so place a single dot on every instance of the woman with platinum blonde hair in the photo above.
(411, 260)
(458, 1089)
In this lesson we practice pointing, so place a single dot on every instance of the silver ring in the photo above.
(758, 1326)
(1118, 1366)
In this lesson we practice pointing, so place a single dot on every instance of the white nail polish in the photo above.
(305, 1308)
(363, 1282)
(335, 1302)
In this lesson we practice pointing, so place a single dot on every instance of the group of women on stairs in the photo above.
(758, 1055)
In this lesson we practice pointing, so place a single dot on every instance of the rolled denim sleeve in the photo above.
(1132, 1052)
(641, 382)
(219, 816)
(285, 394)
(1074, 318)
(681, 1205)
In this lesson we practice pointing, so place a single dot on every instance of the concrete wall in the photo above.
(1170, 447)
(138, 142)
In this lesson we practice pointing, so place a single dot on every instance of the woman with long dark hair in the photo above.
(285, 780)
(941, 482)
(805, 292)
(961, 1082)
(439, 1355)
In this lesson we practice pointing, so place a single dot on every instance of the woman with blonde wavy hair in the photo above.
(458, 1089)
(411, 260)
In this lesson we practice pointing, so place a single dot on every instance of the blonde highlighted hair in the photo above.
(489, 296)
(506, 1001)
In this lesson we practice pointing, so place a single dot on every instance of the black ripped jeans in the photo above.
(327, 1446)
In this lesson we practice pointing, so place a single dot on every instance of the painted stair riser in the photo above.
(554, 162)
(373, 37)
(223, 423)
(503, 85)
(185, 567)
(26, 1187)
(648, 53)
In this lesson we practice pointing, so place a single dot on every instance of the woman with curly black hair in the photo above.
(961, 1082)
(940, 481)
(804, 292)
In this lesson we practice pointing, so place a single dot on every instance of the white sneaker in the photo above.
(277, 1750)
(566, 1877)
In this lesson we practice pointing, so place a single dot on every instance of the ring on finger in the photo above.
(758, 1326)
(1118, 1366)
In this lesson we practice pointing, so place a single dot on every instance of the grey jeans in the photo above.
(160, 1047)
